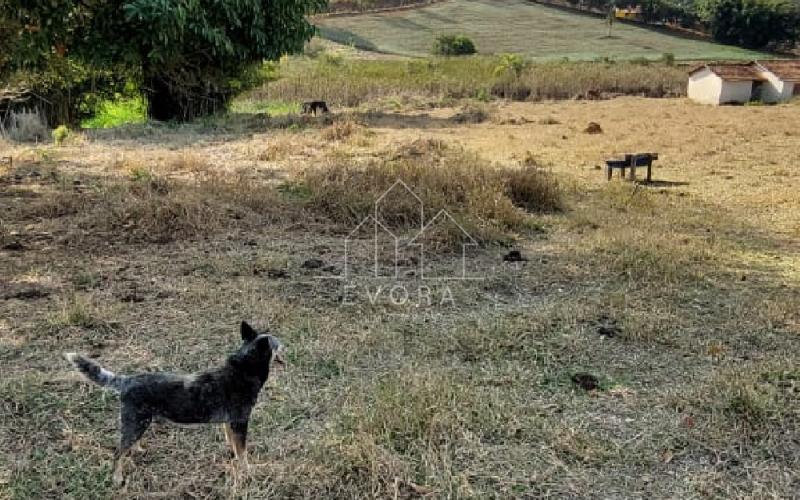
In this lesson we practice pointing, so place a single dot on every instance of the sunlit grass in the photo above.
(122, 111)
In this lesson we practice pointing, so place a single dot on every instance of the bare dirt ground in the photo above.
(144, 248)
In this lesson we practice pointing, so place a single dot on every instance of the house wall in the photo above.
(775, 89)
(704, 87)
(738, 92)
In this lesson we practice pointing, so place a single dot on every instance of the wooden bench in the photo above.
(632, 161)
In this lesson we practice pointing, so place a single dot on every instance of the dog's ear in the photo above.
(248, 333)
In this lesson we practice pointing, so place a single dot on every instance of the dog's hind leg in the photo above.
(236, 433)
(133, 423)
(226, 429)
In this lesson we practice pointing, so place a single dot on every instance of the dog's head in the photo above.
(258, 351)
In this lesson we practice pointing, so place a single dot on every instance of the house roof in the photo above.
(732, 72)
(788, 71)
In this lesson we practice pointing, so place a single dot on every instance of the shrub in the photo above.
(60, 134)
(476, 193)
(453, 45)
(25, 126)
(509, 64)
(533, 189)
(340, 130)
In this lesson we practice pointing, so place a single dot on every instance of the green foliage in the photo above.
(752, 23)
(668, 58)
(453, 45)
(190, 55)
(510, 64)
(60, 133)
(119, 111)
(65, 89)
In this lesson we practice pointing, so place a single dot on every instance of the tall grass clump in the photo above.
(351, 82)
(486, 199)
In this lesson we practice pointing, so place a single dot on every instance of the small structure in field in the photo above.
(780, 80)
(765, 81)
(722, 83)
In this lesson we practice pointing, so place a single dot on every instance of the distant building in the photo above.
(633, 13)
(780, 80)
(722, 83)
(766, 81)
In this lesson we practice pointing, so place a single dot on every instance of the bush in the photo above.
(533, 189)
(25, 126)
(485, 199)
(60, 134)
(453, 45)
(510, 64)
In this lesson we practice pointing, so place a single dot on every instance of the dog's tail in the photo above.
(95, 372)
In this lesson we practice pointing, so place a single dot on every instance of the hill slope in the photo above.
(514, 26)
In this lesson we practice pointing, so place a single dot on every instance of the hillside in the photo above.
(514, 26)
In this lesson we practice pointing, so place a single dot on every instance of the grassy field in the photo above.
(433, 82)
(145, 246)
(517, 26)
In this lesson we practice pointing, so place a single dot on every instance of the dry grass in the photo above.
(482, 197)
(680, 297)
(352, 82)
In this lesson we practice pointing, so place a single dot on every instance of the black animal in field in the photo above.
(312, 107)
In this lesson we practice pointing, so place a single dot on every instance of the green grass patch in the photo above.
(498, 26)
(121, 111)
(270, 107)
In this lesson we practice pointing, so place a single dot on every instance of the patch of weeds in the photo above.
(327, 368)
(340, 130)
(138, 173)
(86, 280)
(73, 474)
(471, 114)
(295, 191)
(533, 189)
(474, 192)
(60, 134)
(79, 312)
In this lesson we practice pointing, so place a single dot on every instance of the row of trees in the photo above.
(188, 56)
(750, 23)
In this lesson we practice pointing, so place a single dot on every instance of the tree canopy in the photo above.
(751, 23)
(187, 54)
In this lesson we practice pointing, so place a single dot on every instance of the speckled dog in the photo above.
(223, 395)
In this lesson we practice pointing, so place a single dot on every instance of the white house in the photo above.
(722, 83)
(766, 81)
(780, 79)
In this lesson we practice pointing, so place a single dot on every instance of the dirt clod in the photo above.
(586, 381)
(312, 264)
(514, 256)
(593, 128)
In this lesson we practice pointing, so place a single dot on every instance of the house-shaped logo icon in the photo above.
(399, 206)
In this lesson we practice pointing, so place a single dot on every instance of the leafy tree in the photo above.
(189, 55)
(751, 23)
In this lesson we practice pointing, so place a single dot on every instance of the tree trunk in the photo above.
(167, 100)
